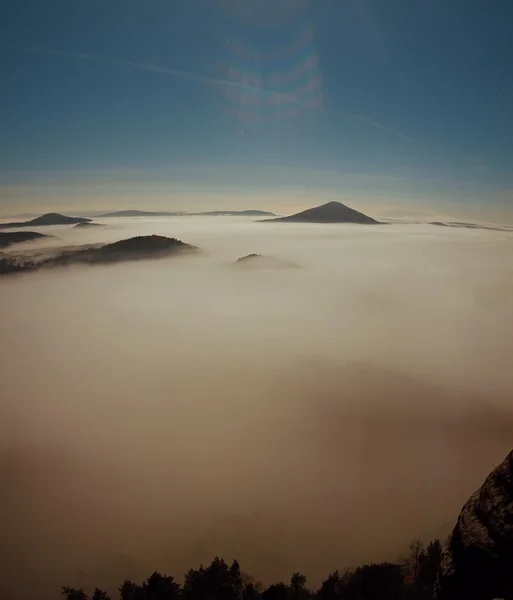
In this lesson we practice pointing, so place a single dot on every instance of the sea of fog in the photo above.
(158, 413)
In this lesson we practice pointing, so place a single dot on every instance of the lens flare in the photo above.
(276, 65)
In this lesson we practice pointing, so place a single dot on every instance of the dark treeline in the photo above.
(412, 578)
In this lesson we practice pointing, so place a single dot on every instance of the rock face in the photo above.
(477, 559)
(47, 219)
(332, 212)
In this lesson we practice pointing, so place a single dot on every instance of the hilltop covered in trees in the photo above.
(410, 579)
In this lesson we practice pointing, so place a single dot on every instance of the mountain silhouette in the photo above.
(469, 225)
(141, 213)
(210, 213)
(332, 212)
(136, 248)
(16, 237)
(234, 213)
(46, 219)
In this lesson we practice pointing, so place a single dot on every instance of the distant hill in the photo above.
(234, 213)
(12, 264)
(16, 237)
(468, 225)
(211, 213)
(47, 219)
(258, 261)
(89, 224)
(332, 212)
(141, 213)
(136, 248)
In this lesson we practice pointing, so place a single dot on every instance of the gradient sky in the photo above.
(403, 105)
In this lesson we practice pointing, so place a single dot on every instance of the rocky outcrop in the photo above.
(477, 559)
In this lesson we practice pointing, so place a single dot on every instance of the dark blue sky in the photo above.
(262, 101)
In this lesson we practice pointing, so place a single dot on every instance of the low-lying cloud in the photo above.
(157, 413)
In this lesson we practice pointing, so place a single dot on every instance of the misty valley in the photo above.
(256, 300)
(315, 397)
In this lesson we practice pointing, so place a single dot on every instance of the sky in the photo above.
(401, 108)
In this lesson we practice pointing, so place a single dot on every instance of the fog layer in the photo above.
(158, 413)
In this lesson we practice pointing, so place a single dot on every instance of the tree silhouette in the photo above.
(428, 569)
(131, 591)
(276, 591)
(221, 581)
(216, 582)
(297, 586)
(415, 558)
(383, 581)
(250, 592)
(160, 587)
(330, 588)
(100, 595)
(74, 594)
